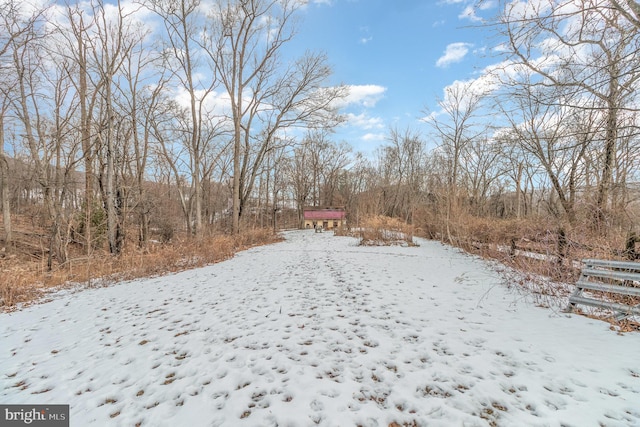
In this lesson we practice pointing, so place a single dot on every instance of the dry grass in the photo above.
(384, 231)
(344, 231)
(23, 281)
(531, 246)
(547, 254)
(537, 245)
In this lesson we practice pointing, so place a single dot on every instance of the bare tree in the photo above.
(184, 31)
(456, 125)
(481, 170)
(627, 169)
(13, 26)
(300, 180)
(246, 38)
(630, 9)
(74, 36)
(4, 184)
(589, 51)
(170, 150)
(44, 107)
(64, 158)
(114, 39)
(519, 166)
(360, 189)
(273, 183)
(335, 159)
(401, 163)
(138, 98)
(556, 136)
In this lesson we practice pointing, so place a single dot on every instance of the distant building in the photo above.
(327, 218)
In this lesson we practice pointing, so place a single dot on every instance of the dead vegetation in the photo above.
(544, 257)
(537, 245)
(26, 277)
(547, 254)
(385, 231)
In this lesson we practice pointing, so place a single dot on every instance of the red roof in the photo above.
(322, 214)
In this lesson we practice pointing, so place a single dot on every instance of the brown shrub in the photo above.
(383, 230)
(540, 245)
(24, 282)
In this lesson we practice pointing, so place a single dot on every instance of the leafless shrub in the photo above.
(540, 255)
(385, 231)
(24, 282)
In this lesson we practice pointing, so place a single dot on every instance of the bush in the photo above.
(385, 231)
(29, 280)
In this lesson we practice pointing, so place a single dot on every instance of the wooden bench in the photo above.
(614, 277)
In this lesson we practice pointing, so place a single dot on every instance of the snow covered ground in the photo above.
(319, 331)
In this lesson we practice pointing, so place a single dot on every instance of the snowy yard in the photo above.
(318, 331)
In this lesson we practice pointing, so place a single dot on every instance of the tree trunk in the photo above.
(518, 191)
(609, 158)
(236, 178)
(4, 181)
(110, 196)
(85, 136)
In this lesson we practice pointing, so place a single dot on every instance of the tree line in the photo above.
(113, 128)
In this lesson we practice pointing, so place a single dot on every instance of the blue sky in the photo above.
(398, 56)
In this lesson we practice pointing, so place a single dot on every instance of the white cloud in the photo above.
(455, 52)
(305, 3)
(460, 94)
(374, 137)
(363, 121)
(471, 7)
(430, 116)
(364, 95)
(523, 10)
(489, 4)
(469, 13)
(217, 103)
